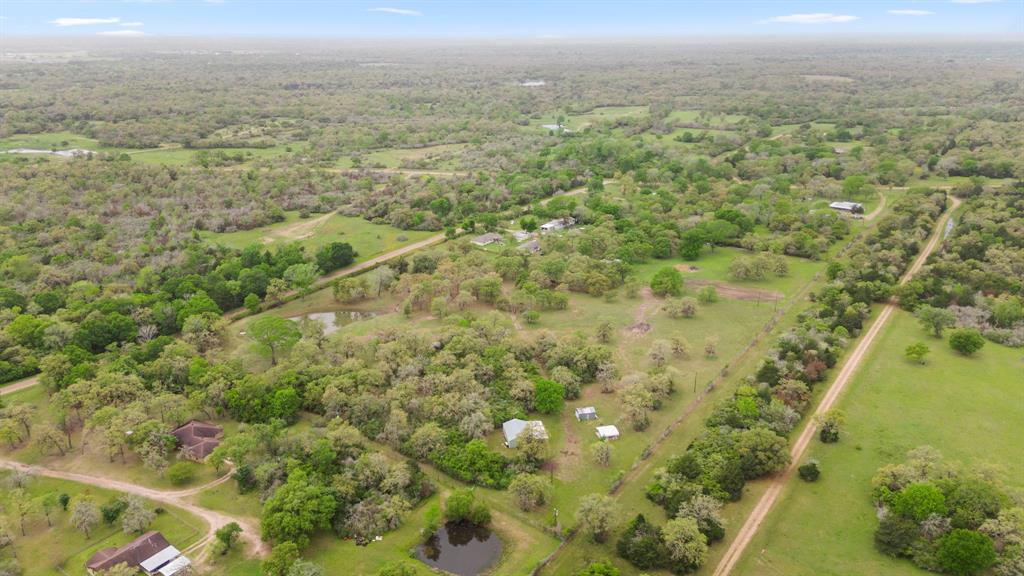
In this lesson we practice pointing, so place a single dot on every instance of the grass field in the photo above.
(61, 550)
(584, 120)
(691, 116)
(749, 318)
(962, 406)
(50, 141)
(367, 238)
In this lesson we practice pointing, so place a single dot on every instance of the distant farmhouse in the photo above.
(485, 239)
(533, 247)
(198, 439)
(150, 553)
(851, 207)
(557, 224)
(515, 429)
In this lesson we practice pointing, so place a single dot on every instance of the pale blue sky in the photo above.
(509, 18)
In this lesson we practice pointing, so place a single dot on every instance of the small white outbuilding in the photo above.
(608, 432)
(586, 413)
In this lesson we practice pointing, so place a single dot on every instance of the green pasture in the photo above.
(367, 238)
(964, 407)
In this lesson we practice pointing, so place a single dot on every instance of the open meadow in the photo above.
(967, 408)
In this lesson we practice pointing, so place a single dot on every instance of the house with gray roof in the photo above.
(515, 429)
(485, 239)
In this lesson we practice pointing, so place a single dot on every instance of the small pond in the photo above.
(461, 548)
(333, 321)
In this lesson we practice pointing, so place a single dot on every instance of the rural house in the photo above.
(485, 239)
(533, 247)
(607, 432)
(851, 207)
(557, 224)
(197, 439)
(516, 428)
(521, 235)
(586, 413)
(150, 553)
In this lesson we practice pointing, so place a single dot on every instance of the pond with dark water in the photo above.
(461, 548)
(333, 321)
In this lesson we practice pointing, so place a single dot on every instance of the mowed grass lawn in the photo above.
(367, 238)
(63, 550)
(970, 409)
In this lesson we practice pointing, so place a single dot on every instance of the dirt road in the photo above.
(878, 209)
(19, 385)
(353, 269)
(178, 498)
(771, 495)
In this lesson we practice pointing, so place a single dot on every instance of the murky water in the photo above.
(461, 548)
(333, 321)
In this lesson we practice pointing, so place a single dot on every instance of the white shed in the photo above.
(608, 432)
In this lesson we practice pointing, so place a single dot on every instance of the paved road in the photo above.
(178, 498)
(771, 495)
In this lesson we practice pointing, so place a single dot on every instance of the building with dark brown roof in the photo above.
(198, 439)
(150, 553)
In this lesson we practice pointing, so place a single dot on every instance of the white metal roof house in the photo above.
(150, 553)
(516, 428)
(557, 224)
(854, 207)
(586, 413)
(608, 432)
(485, 239)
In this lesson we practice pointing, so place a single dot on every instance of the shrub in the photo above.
(462, 506)
(919, 501)
(809, 472)
(966, 341)
(667, 282)
(181, 473)
(548, 396)
(965, 552)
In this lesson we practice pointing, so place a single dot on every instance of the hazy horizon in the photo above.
(555, 20)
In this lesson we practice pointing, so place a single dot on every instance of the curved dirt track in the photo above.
(771, 495)
(20, 385)
(178, 498)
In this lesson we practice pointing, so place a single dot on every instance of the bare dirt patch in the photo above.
(734, 292)
(648, 304)
(687, 268)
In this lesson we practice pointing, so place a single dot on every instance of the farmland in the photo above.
(894, 405)
(386, 275)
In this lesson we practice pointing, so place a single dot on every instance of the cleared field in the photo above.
(961, 406)
(188, 156)
(600, 114)
(367, 238)
(61, 550)
(691, 116)
(50, 141)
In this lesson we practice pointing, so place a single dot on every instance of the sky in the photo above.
(550, 19)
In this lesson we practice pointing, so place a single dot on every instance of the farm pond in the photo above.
(333, 321)
(461, 548)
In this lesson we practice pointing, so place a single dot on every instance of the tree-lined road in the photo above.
(771, 495)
